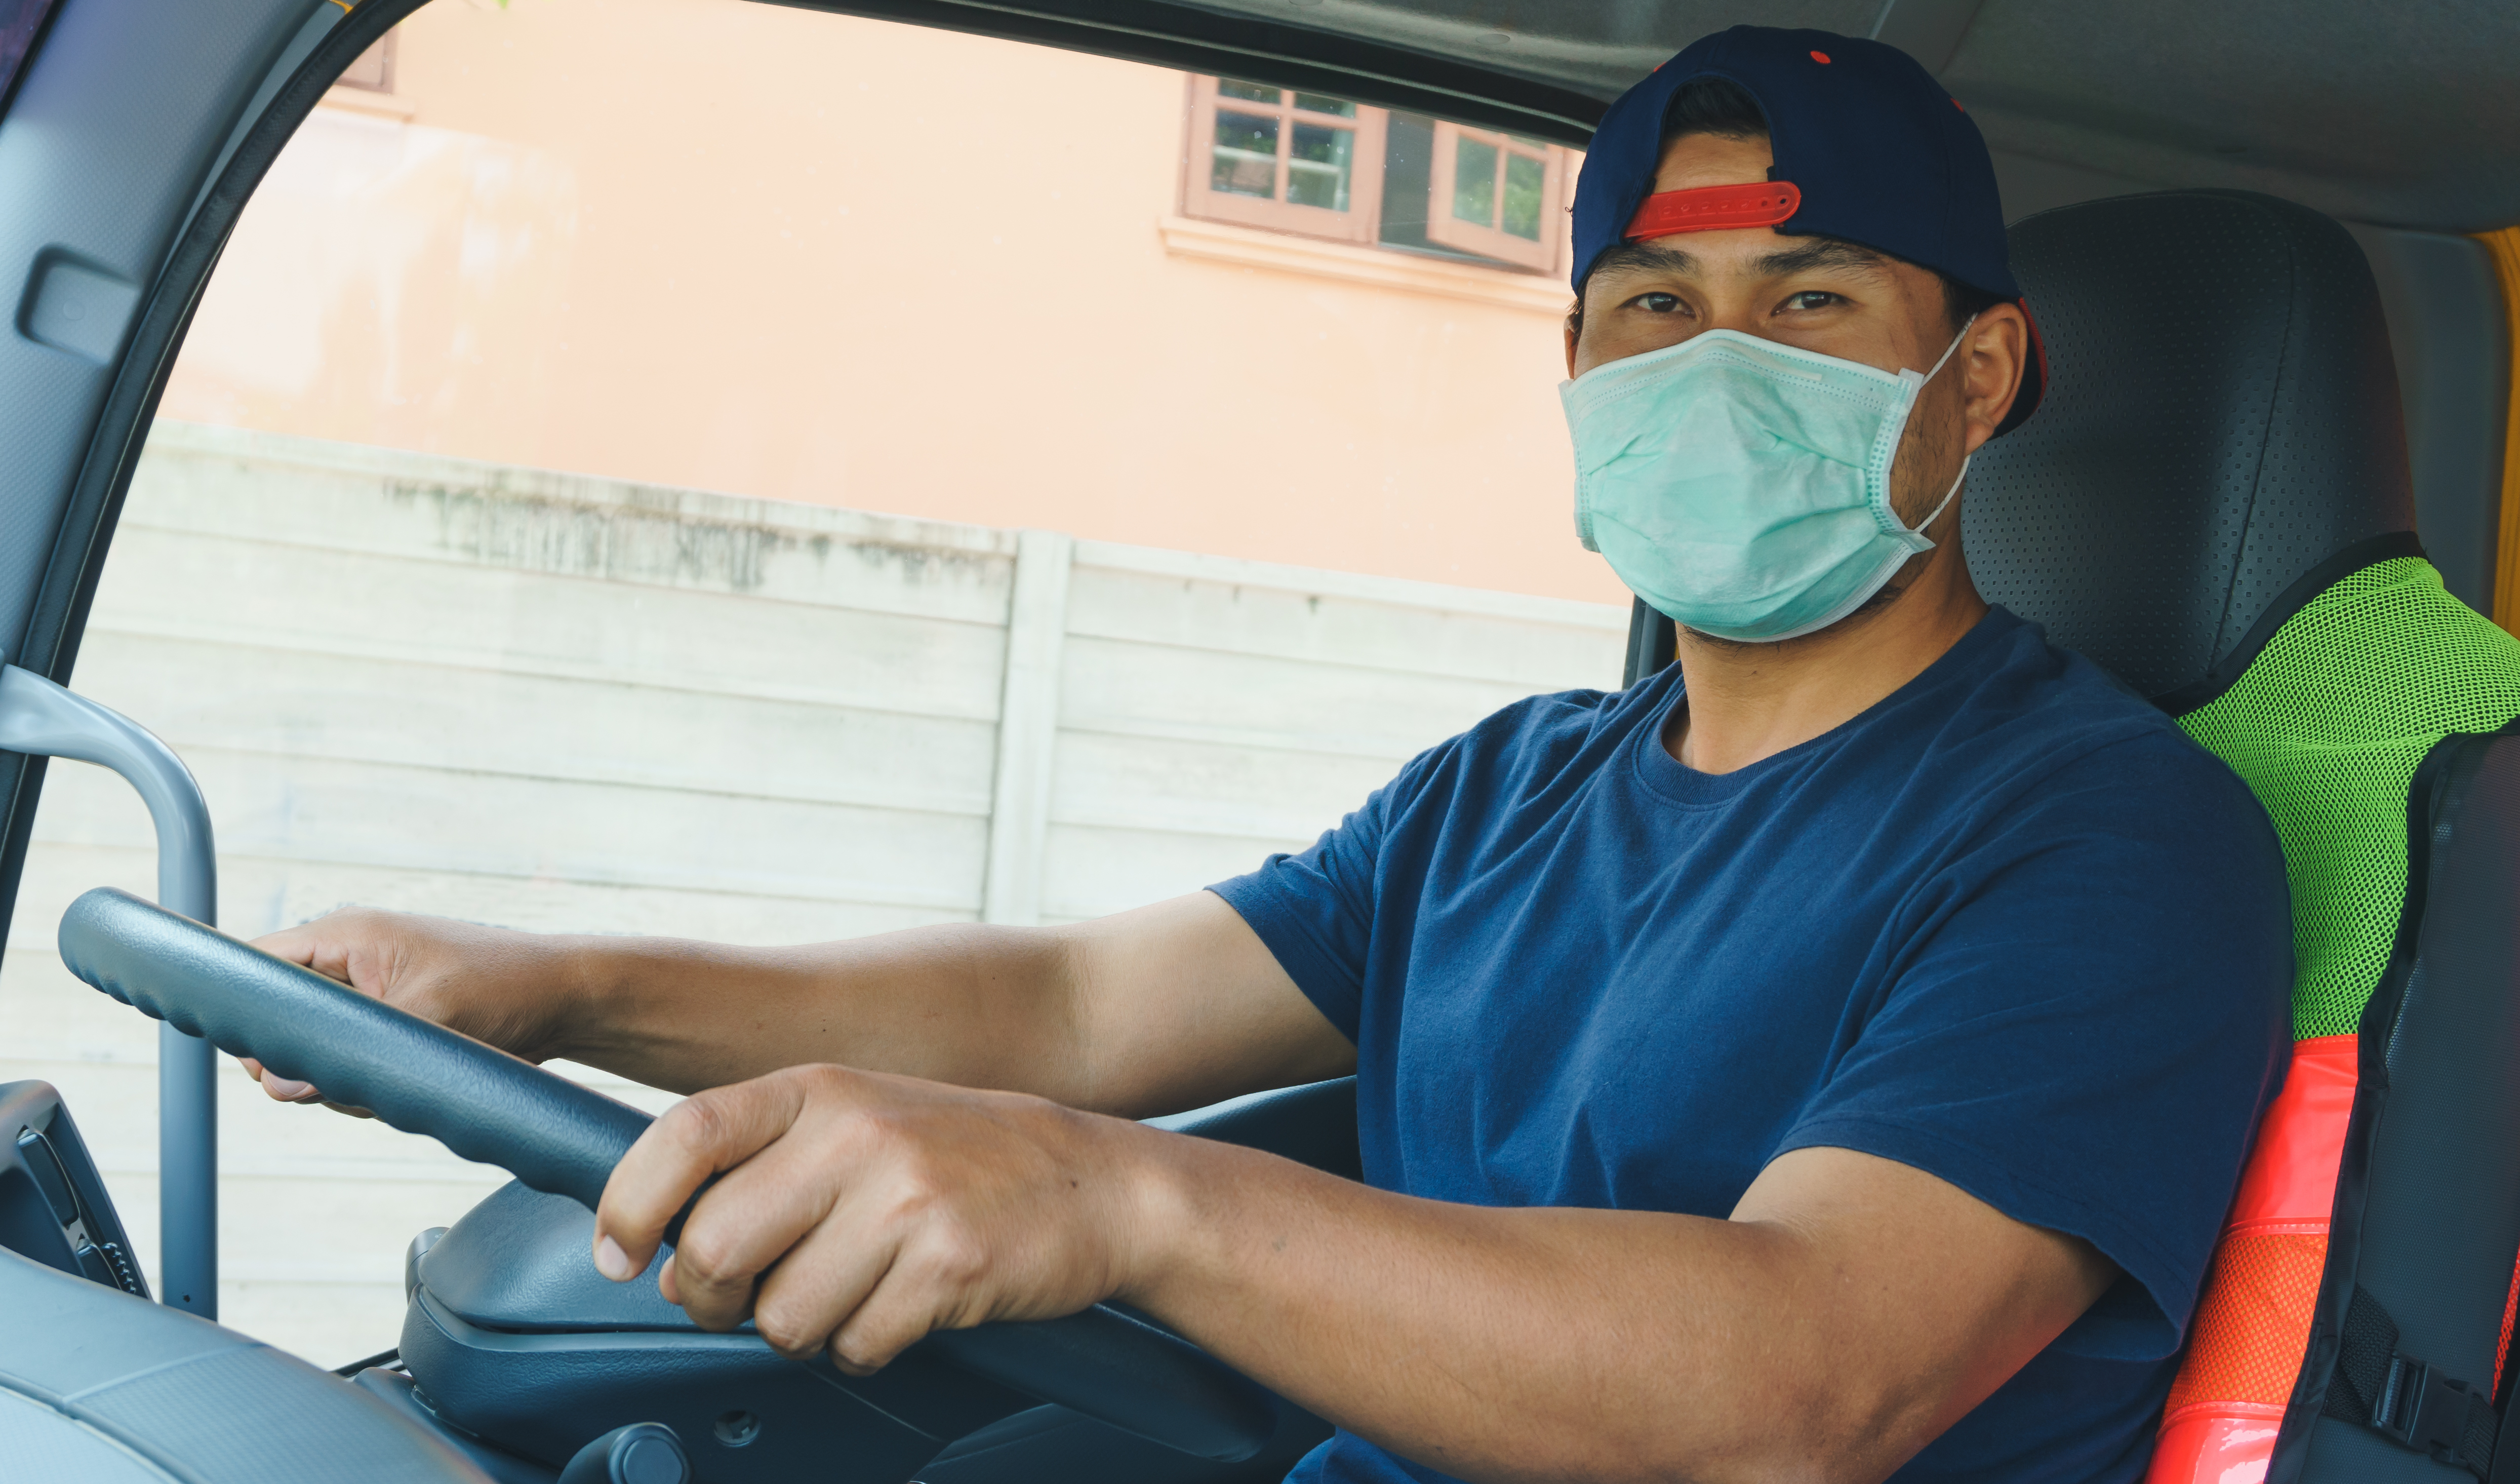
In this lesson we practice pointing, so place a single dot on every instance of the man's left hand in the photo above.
(858, 1212)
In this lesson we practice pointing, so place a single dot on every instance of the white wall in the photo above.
(558, 703)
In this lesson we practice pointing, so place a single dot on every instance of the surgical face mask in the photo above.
(1741, 486)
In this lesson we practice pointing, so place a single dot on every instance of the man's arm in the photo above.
(1165, 1007)
(1849, 1312)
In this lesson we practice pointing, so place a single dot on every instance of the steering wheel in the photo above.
(563, 1139)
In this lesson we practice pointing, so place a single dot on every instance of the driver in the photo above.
(1827, 1060)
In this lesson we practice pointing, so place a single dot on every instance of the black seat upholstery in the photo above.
(2221, 418)
(2440, 1217)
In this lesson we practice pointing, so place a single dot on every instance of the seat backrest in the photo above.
(2212, 502)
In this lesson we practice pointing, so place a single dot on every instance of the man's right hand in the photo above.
(513, 990)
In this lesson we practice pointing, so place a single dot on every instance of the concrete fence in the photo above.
(560, 702)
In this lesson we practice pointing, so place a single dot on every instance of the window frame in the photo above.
(1360, 223)
(1448, 230)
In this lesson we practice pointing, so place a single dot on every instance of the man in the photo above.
(1827, 1060)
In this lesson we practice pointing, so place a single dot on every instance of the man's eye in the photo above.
(1656, 303)
(1811, 298)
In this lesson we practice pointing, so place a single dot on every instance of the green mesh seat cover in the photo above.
(2327, 726)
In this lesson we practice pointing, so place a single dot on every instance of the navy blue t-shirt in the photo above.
(2008, 926)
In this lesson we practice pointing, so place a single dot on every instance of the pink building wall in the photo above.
(785, 254)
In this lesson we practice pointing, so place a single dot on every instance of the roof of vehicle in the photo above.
(2398, 114)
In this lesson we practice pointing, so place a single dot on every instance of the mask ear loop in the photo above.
(1947, 350)
(1919, 530)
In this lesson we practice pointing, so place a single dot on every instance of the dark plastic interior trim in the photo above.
(58, 617)
(2452, 343)
(68, 588)
(21, 35)
(1929, 30)
(1312, 1124)
(1654, 641)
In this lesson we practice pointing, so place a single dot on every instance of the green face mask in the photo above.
(1743, 487)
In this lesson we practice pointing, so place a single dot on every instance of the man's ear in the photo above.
(1574, 331)
(1990, 360)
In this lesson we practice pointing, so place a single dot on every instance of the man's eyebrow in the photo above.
(1822, 253)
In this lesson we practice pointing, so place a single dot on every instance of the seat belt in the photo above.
(2408, 1402)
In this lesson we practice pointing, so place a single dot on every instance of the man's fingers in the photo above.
(282, 1089)
(296, 944)
(820, 1284)
(855, 1212)
(697, 1138)
(744, 1225)
(313, 945)
(925, 1288)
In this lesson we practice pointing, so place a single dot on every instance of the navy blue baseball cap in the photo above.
(1869, 149)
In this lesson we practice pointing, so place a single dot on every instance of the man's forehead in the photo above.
(1790, 255)
(1713, 160)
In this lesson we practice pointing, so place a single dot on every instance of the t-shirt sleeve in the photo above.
(2090, 1012)
(1314, 909)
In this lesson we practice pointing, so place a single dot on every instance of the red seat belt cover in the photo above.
(2251, 1329)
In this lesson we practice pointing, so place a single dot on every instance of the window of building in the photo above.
(373, 70)
(1304, 163)
(1293, 162)
(1495, 194)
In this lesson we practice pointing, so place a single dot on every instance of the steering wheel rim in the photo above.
(557, 1137)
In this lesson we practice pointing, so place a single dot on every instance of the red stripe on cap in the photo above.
(1713, 209)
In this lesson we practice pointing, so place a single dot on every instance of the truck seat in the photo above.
(2214, 504)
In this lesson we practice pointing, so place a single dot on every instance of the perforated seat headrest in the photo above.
(2221, 424)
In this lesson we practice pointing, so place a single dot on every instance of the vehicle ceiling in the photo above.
(2402, 115)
